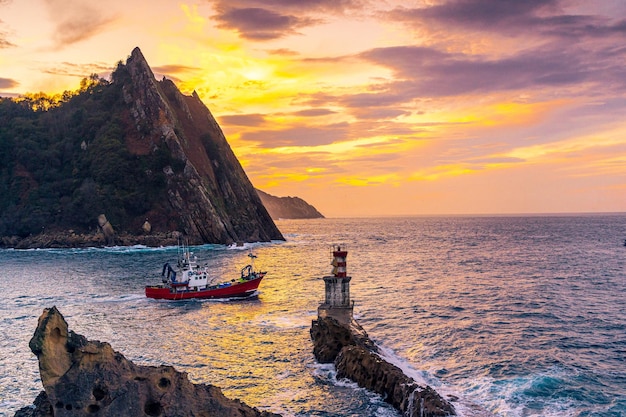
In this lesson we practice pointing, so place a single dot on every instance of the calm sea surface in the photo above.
(520, 316)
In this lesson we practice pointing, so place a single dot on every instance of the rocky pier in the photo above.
(339, 339)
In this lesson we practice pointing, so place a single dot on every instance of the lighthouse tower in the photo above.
(337, 302)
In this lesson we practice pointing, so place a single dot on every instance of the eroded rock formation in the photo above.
(211, 198)
(82, 377)
(356, 357)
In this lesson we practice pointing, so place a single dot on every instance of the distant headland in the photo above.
(288, 207)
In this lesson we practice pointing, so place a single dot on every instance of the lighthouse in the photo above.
(337, 303)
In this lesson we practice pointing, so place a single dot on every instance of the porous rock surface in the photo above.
(84, 378)
(356, 357)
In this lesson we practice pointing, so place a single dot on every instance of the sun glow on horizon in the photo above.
(383, 103)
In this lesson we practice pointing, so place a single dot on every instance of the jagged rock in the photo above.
(82, 377)
(107, 229)
(288, 207)
(330, 337)
(356, 357)
(41, 407)
(212, 196)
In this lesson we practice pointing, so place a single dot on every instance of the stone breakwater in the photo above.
(356, 357)
(82, 377)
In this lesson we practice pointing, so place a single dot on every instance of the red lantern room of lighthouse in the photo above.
(337, 302)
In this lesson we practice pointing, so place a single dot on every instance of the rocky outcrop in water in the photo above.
(356, 357)
(83, 377)
(288, 207)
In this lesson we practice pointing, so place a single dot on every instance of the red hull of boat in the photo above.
(243, 289)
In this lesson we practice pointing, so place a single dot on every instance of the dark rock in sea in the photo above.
(288, 207)
(134, 150)
(70, 239)
(330, 337)
(356, 357)
(82, 377)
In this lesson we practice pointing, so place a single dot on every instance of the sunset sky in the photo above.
(371, 107)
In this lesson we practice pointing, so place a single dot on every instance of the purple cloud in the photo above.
(4, 42)
(300, 135)
(266, 20)
(173, 69)
(283, 52)
(8, 83)
(79, 70)
(76, 21)
(424, 72)
(314, 112)
(260, 24)
(253, 120)
(530, 18)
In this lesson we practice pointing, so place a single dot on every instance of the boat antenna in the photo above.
(252, 257)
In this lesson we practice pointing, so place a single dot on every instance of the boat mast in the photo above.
(252, 257)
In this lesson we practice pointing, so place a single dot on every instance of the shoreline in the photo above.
(69, 240)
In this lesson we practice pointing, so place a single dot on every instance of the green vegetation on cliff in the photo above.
(64, 160)
(133, 149)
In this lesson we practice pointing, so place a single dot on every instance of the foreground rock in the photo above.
(356, 357)
(82, 377)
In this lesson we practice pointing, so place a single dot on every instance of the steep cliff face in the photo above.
(134, 149)
(288, 207)
(214, 199)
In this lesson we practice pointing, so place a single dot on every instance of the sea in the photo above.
(507, 315)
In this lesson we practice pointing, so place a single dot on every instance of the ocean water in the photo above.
(514, 316)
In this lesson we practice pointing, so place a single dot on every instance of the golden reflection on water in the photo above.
(256, 349)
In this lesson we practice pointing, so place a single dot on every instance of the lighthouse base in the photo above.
(343, 314)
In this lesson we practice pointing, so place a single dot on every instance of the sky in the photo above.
(371, 108)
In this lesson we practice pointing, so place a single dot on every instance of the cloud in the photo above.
(283, 52)
(8, 83)
(426, 72)
(259, 20)
(76, 21)
(314, 112)
(260, 24)
(4, 42)
(253, 120)
(375, 113)
(300, 135)
(529, 18)
(174, 69)
(79, 70)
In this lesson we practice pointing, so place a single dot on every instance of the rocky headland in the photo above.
(356, 357)
(288, 207)
(135, 150)
(84, 377)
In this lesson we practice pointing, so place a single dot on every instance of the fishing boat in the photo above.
(188, 280)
